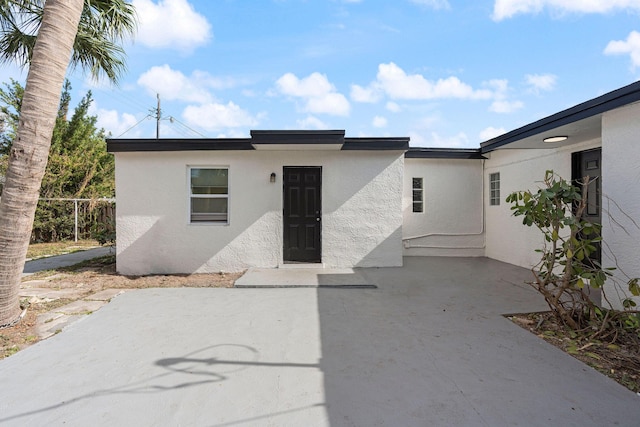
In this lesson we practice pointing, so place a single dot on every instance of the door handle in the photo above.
(317, 219)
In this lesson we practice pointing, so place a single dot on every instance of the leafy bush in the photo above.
(567, 269)
(78, 167)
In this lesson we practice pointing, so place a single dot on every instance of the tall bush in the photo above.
(566, 268)
(78, 165)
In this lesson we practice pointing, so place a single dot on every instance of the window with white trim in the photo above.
(494, 189)
(418, 195)
(209, 195)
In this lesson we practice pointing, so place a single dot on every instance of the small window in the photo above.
(494, 186)
(209, 195)
(418, 193)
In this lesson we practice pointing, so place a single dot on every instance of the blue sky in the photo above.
(446, 73)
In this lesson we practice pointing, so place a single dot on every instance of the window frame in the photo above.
(494, 189)
(191, 196)
(413, 195)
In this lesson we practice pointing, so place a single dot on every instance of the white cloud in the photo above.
(314, 85)
(174, 85)
(379, 122)
(318, 94)
(364, 94)
(504, 9)
(215, 116)
(490, 132)
(396, 84)
(538, 82)
(232, 133)
(504, 106)
(116, 123)
(172, 24)
(311, 122)
(393, 107)
(434, 4)
(631, 46)
(399, 85)
(500, 90)
(435, 140)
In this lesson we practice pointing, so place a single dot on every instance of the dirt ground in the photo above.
(618, 357)
(87, 279)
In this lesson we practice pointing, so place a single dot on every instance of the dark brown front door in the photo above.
(588, 163)
(302, 214)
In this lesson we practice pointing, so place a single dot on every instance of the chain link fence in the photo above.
(74, 219)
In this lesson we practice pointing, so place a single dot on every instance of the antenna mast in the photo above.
(158, 117)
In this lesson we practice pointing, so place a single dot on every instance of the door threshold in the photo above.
(307, 265)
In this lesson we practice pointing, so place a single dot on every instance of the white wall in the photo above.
(452, 221)
(621, 196)
(361, 201)
(508, 239)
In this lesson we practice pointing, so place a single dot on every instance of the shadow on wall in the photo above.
(165, 245)
(384, 251)
(159, 250)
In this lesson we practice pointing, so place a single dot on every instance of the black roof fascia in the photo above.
(444, 153)
(130, 145)
(304, 137)
(257, 138)
(376, 144)
(609, 101)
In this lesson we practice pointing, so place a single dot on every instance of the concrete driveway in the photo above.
(429, 347)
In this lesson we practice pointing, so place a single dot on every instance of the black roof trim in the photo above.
(443, 153)
(297, 136)
(609, 101)
(129, 145)
(376, 144)
(284, 137)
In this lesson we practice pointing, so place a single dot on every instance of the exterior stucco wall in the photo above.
(508, 239)
(621, 197)
(452, 221)
(361, 203)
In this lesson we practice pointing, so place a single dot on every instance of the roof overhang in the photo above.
(444, 153)
(280, 140)
(171, 144)
(580, 123)
(297, 139)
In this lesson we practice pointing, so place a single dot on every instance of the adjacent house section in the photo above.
(443, 211)
(598, 139)
(277, 198)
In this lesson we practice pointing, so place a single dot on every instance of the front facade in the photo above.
(278, 198)
(316, 197)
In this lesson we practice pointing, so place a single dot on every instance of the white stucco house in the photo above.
(318, 197)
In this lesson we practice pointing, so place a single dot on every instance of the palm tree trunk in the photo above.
(30, 150)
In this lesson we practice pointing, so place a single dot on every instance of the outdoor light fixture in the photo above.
(556, 138)
(272, 178)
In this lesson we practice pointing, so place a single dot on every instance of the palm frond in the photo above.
(103, 26)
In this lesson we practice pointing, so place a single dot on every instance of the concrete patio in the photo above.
(428, 347)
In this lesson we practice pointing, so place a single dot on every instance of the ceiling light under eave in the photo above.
(555, 139)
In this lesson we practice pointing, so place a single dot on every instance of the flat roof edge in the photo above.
(444, 153)
(260, 138)
(302, 137)
(353, 144)
(146, 145)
